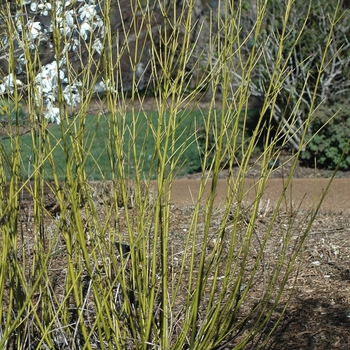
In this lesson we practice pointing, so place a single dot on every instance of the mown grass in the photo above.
(100, 155)
(190, 136)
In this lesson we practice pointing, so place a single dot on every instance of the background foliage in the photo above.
(304, 28)
(329, 146)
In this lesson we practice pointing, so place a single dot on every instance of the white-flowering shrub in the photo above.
(66, 43)
(36, 27)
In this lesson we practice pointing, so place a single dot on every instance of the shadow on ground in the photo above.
(314, 324)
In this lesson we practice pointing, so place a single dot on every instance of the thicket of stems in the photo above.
(121, 276)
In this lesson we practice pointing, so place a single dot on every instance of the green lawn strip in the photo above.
(98, 154)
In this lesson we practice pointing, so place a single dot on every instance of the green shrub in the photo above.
(329, 139)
